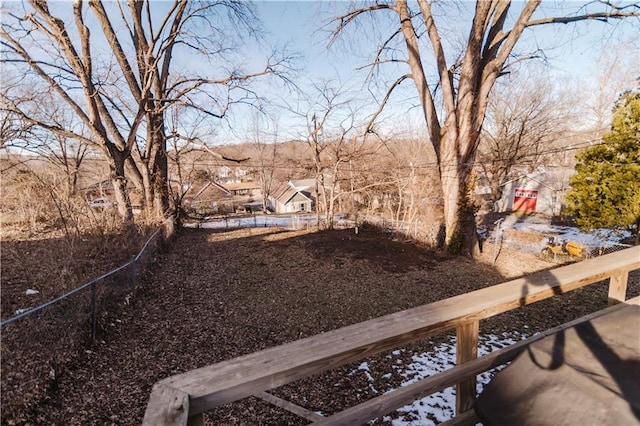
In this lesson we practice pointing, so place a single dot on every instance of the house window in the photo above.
(301, 207)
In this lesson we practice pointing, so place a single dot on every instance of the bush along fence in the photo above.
(40, 343)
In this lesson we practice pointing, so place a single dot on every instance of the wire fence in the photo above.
(549, 247)
(41, 342)
(414, 230)
(424, 232)
(294, 221)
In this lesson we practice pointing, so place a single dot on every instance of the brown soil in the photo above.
(219, 295)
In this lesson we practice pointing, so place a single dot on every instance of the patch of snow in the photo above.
(440, 406)
(294, 220)
(364, 366)
(31, 292)
(593, 239)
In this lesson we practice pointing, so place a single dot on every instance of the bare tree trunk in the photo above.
(159, 177)
(460, 225)
(264, 190)
(120, 191)
(463, 87)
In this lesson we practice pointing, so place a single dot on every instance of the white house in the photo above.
(293, 197)
(236, 174)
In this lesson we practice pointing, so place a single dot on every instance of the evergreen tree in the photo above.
(605, 191)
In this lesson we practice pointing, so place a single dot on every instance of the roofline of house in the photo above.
(208, 184)
(530, 178)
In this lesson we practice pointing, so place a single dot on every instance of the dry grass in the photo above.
(34, 349)
(53, 263)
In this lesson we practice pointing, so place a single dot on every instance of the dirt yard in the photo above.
(218, 295)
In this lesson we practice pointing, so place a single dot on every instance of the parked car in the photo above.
(100, 203)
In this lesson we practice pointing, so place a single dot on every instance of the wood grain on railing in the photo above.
(228, 381)
(466, 350)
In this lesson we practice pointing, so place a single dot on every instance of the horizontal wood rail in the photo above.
(182, 398)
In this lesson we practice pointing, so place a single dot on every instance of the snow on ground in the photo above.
(440, 406)
(594, 239)
(296, 221)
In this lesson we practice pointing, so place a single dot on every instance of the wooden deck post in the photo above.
(466, 350)
(618, 286)
(167, 407)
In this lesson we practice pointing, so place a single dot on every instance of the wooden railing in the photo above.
(181, 399)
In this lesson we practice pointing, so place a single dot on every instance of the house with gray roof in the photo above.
(293, 197)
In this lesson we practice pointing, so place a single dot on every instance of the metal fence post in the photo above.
(497, 239)
(93, 311)
(134, 273)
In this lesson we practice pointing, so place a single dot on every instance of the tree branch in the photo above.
(204, 147)
(116, 47)
(418, 74)
(602, 17)
(436, 44)
(384, 102)
(351, 16)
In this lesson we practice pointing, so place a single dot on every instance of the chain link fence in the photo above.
(493, 239)
(294, 221)
(409, 230)
(41, 342)
(547, 246)
(429, 233)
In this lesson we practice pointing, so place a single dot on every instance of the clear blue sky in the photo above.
(572, 47)
(571, 51)
(304, 27)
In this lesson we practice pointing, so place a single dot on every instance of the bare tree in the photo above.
(317, 124)
(526, 117)
(264, 161)
(463, 83)
(189, 156)
(347, 147)
(182, 153)
(62, 151)
(615, 72)
(320, 108)
(122, 98)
